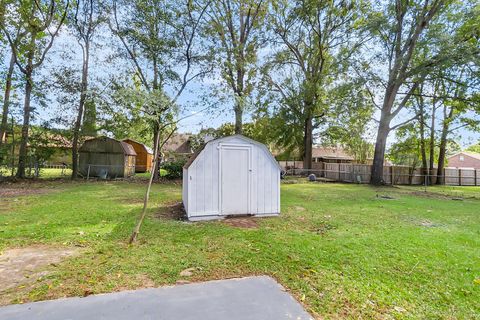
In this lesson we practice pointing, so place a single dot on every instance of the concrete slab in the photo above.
(251, 298)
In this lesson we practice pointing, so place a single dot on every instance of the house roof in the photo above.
(147, 149)
(261, 145)
(467, 153)
(330, 153)
(59, 141)
(178, 143)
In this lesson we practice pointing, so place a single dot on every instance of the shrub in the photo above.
(174, 169)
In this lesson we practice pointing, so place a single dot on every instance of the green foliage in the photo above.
(406, 150)
(316, 42)
(174, 169)
(474, 148)
(89, 125)
(133, 112)
(258, 130)
(349, 123)
(235, 29)
(452, 147)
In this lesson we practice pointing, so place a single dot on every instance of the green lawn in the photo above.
(344, 251)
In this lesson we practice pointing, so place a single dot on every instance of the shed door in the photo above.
(235, 179)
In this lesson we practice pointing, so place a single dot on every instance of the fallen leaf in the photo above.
(187, 272)
(399, 309)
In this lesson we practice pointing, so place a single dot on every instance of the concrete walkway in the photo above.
(252, 298)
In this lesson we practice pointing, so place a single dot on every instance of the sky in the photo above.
(193, 103)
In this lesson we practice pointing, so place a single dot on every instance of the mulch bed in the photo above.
(171, 211)
(243, 223)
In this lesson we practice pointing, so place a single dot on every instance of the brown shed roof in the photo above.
(127, 149)
(330, 153)
(147, 149)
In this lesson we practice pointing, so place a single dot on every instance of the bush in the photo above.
(174, 169)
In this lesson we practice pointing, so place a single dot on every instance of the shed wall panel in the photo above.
(185, 189)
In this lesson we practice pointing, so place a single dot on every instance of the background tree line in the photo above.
(349, 72)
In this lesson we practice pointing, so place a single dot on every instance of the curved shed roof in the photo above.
(261, 145)
(90, 146)
(147, 149)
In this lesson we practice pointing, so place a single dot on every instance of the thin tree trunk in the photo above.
(308, 143)
(6, 100)
(81, 109)
(423, 148)
(443, 147)
(22, 155)
(432, 141)
(13, 148)
(156, 168)
(136, 230)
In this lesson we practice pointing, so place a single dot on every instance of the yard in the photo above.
(344, 251)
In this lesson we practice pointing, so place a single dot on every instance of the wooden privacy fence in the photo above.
(361, 173)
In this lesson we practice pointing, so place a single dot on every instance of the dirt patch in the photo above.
(430, 224)
(243, 223)
(433, 195)
(171, 211)
(24, 265)
(323, 228)
(25, 191)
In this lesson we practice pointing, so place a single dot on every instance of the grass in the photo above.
(344, 251)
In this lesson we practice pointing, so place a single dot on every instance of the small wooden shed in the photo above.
(230, 176)
(107, 158)
(143, 162)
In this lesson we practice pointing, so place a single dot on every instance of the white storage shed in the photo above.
(233, 175)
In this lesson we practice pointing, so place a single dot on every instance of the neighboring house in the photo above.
(464, 160)
(56, 148)
(331, 155)
(178, 147)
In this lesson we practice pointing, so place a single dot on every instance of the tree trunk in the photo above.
(6, 101)
(443, 146)
(81, 108)
(22, 156)
(376, 177)
(156, 160)
(238, 117)
(441, 158)
(423, 149)
(379, 155)
(308, 143)
(432, 141)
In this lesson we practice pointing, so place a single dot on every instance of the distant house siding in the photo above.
(462, 160)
